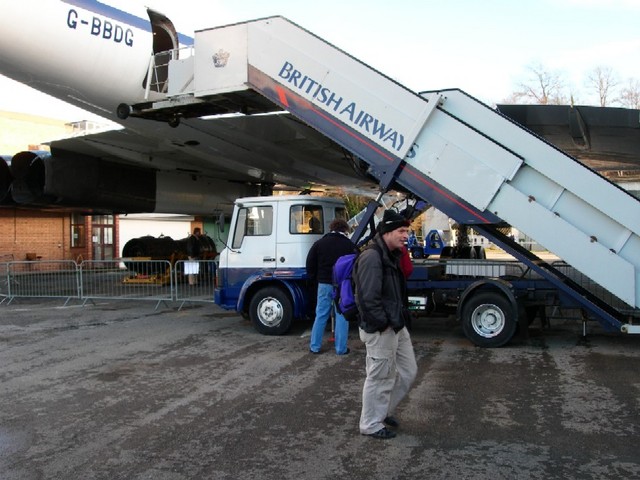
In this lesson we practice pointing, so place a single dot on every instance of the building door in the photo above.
(102, 237)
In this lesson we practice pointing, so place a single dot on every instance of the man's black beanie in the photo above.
(390, 221)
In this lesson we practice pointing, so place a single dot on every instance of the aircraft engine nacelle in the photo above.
(5, 179)
(84, 182)
(77, 181)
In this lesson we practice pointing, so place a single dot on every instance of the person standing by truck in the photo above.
(194, 250)
(381, 297)
(320, 261)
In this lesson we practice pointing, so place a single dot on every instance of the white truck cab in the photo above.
(261, 272)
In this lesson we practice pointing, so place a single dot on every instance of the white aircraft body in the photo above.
(97, 57)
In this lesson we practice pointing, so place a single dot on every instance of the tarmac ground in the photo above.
(118, 390)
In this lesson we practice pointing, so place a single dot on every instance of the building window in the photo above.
(102, 220)
(77, 231)
(102, 233)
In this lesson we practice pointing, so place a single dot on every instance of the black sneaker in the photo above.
(392, 422)
(384, 434)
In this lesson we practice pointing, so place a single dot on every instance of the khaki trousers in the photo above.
(391, 370)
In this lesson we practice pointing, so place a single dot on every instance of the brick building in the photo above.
(57, 235)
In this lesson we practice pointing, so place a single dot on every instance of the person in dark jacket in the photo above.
(320, 261)
(381, 297)
(194, 249)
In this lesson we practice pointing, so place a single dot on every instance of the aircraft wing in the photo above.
(606, 139)
(199, 168)
(276, 149)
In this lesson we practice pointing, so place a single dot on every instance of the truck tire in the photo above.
(417, 252)
(271, 311)
(488, 319)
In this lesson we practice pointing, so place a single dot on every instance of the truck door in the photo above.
(302, 225)
(308, 220)
(254, 240)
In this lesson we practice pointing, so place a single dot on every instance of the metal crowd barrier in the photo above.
(4, 281)
(45, 279)
(121, 279)
(194, 281)
(141, 280)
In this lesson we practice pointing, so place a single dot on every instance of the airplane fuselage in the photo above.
(86, 53)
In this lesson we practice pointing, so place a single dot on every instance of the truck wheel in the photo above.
(417, 252)
(270, 311)
(488, 319)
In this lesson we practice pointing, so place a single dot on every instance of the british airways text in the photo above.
(347, 111)
(101, 28)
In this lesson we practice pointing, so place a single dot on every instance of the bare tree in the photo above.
(546, 87)
(603, 81)
(542, 86)
(630, 95)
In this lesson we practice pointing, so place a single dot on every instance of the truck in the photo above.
(433, 244)
(262, 275)
(442, 147)
(262, 270)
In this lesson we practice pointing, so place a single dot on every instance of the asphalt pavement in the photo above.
(119, 390)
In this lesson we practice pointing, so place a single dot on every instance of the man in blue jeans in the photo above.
(320, 261)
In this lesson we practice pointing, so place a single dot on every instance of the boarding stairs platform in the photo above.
(445, 147)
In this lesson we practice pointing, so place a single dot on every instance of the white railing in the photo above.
(159, 65)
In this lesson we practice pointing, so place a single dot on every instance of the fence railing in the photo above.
(121, 279)
(191, 280)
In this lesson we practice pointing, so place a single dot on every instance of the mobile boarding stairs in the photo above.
(445, 147)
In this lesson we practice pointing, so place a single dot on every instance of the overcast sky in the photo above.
(483, 47)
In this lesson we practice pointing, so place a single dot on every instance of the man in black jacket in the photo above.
(320, 261)
(193, 253)
(381, 297)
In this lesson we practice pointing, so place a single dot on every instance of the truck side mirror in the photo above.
(221, 222)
